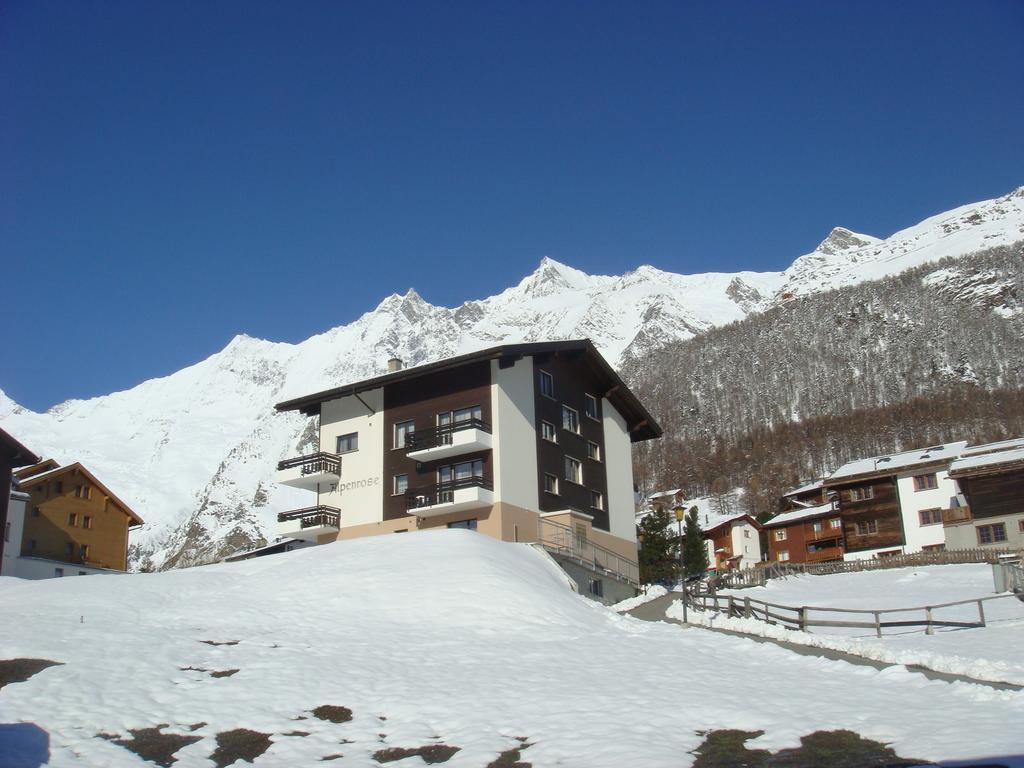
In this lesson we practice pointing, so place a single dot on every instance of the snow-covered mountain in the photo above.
(194, 452)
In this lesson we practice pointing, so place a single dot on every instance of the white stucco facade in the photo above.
(618, 462)
(513, 415)
(913, 502)
(360, 493)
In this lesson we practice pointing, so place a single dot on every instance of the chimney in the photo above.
(394, 364)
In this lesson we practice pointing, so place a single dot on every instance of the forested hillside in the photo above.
(931, 355)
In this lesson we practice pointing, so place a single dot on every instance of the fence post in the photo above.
(803, 618)
(878, 623)
(746, 607)
(981, 613)
(730, 607)
(928, 616)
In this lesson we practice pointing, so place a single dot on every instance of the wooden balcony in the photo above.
(309, 523)
(956, 516)
(824, 555)
(446, 440)
(311, 471)
(825, 534)
(458, 495)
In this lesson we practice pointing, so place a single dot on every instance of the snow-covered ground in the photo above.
(989, 653)
(442, 636)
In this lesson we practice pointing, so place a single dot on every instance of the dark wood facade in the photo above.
(420, 400)
(573, 379)
(994, 495)
(871, 523)
(12, 454)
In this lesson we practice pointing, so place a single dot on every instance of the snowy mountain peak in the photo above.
(841, 239)
(553, 277)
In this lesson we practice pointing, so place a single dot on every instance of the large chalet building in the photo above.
(521, 442)
(991, 480)
(63, 521)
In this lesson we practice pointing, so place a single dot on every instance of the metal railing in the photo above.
(441, 493)
(562, 540)
(314, 463)
(422, 439)
(310, 517)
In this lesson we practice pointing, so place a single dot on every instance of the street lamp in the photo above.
(680, 513)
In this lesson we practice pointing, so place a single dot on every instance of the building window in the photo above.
(573, 470)
(550, 483)
(72, 519)
(570, 419)
(591, 407)
(863, 493)
(467, 524)
(782, 556)
(85, 551)
(595, 587)
(1020, 525)
(597, 500)
(348, 443)
(86, 521)
(468, 414)
(867, 527)
(58, 487)
(780, 535)
(82, 573)
(746, 533)
(547, 431)
(547, 384)
(818, 526)
(70, 548)
(930, 516)
(58, 572)
(400, 484)
(836, 523)
(82, 492)
(593, 450)
(990, 534)
(925, 482)
(402, 431)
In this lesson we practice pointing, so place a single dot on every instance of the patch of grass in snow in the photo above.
(239, 744)
(432, 753)
(20, 670)
(150, 744)
(221, 673)
(510, 757)
(332, 713)
(221, 642)
(836, 749)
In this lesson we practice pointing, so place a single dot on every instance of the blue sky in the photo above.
(175, 173)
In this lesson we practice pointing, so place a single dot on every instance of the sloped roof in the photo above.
(988, 463)
(641, 423)
(17, 455)
(894, 463)
(61, 471)
(807, 488)
(809, 513)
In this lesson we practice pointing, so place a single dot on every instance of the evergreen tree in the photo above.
(657, 548)
(695, 554)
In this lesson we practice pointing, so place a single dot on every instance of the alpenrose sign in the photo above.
(367, 482)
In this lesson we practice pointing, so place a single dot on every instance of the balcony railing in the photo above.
(441, 493)
(822, 555)
(559, 539)
(313, 464)
(956, 515)
(422, 439)
(824, 534)
(312, 517)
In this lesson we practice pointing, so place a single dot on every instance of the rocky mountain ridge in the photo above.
(194, 452)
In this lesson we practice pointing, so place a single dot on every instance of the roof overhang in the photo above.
(641, 424)
(17, 455)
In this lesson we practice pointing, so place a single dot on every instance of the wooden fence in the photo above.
(758, 577)
(799, 617)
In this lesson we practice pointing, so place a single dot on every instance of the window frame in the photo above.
(354, 440)
(395, 482)
(553, 436)
(782, 556)
(87, 522)
(870, 527)
(862, 493)
(550, 384)
(780, 534)
(571, 461)
(395, 445)
(574, 419)
(73, 519)
(599, 498)
(992, 529)
(930, 516)
(921, 482)
(588, 399)
(551, 484)
(593, 451)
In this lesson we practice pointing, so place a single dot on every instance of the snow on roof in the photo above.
(987, 460)
(1002, 445)
(894, 462)
(801, 514)
(813, 486)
